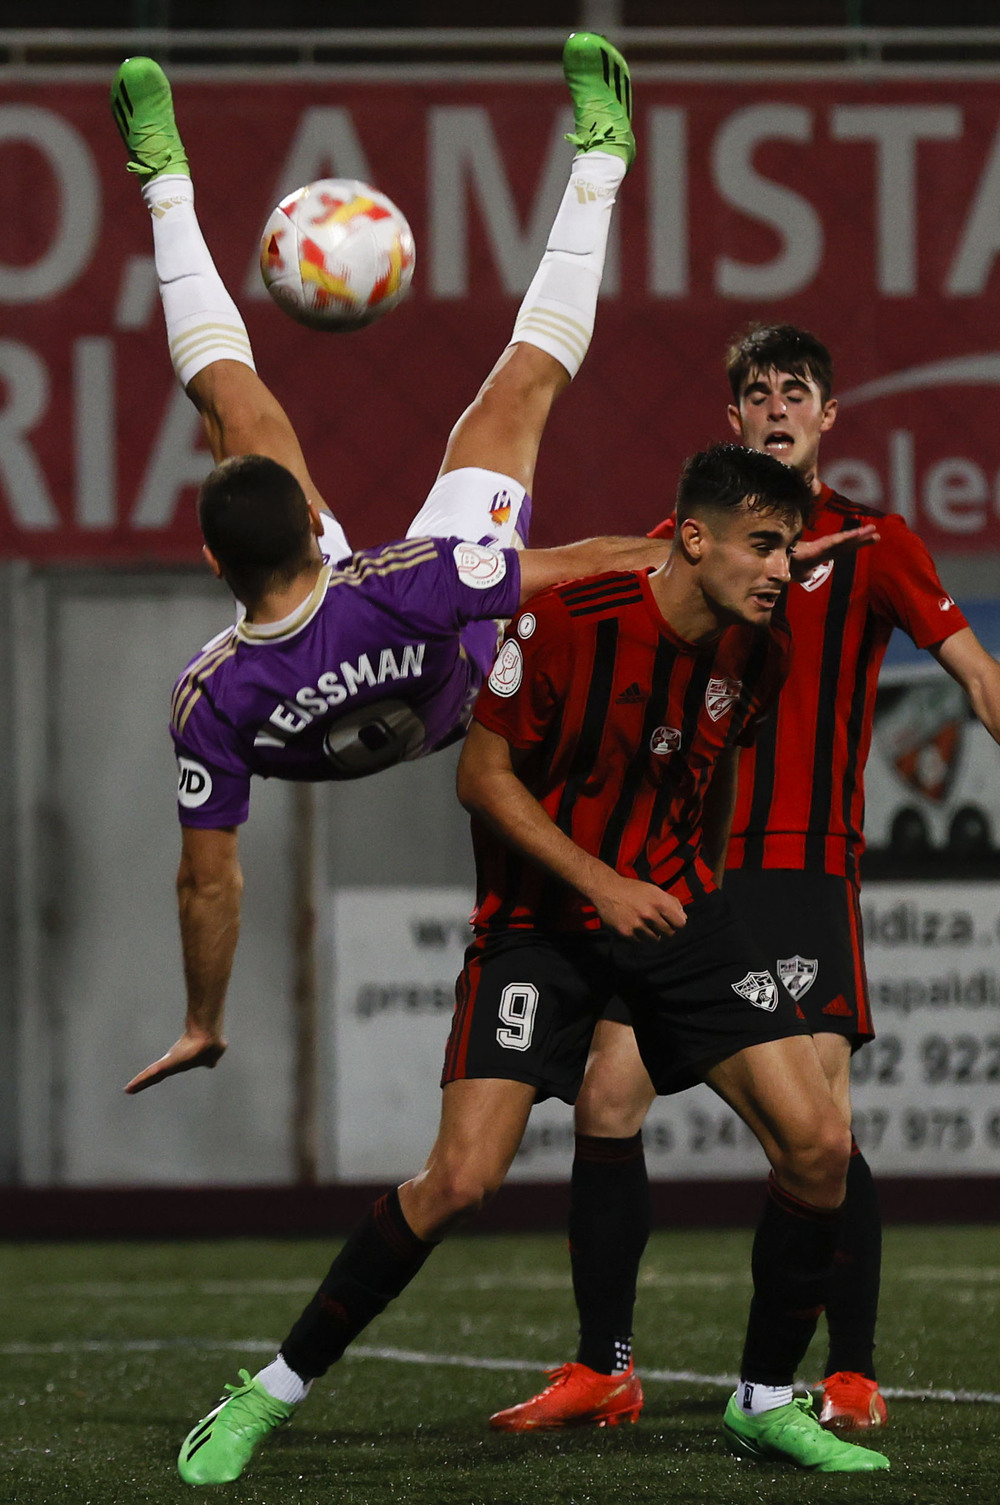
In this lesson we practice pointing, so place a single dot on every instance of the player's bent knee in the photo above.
(815, 1166)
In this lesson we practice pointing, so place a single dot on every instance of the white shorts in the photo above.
(482, 506)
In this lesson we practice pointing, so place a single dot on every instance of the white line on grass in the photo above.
(448, 1360)
(144, 1290)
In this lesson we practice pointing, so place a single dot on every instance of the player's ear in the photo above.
(211, 561)
(829, 414)
(735, 421)
(692, 534)
(315, 518)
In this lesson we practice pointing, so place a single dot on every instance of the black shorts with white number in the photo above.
(527, 1002)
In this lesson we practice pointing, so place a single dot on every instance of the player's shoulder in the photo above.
(596, 595)
(366, 566)
(195, 682)
(849, 512)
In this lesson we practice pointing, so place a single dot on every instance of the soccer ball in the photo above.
(337, 254)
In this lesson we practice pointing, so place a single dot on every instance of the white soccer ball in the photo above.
(337, 254)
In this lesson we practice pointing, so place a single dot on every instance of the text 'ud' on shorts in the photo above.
(808, 926)
(527, 1002)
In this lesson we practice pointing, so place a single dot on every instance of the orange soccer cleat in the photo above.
(576, 1396)
(849, 1403)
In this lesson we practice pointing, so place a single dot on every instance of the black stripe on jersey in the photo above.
(663, 666)
(855, 726)
(694, 704)
(593, 586)
(826, 711)
(752, 671)
(588, 745)
(602, 595)
(765, 763)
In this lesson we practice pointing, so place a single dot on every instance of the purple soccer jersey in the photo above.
(381, 664)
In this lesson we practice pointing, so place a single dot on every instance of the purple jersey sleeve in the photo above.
(468, 583)
(213, 781)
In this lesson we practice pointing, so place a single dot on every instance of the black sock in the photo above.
(608, 1229)
(852, 1291)
(378, 1261)
(792, 1257)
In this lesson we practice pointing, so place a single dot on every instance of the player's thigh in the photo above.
(617, 1092)
(780, 1090)
(502, 428)
(834, 1053)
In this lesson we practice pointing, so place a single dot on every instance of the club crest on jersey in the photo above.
(526, 624)
(479, 567)
(798, 973)
(720, 695)
(816, 577)
(665, 740)
(505, 678)
(760, 989)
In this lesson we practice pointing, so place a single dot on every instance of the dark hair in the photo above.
(727, 476)
(255, 519)
(778, 347)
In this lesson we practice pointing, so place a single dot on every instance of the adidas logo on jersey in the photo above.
(632, 696)
(840, 1007)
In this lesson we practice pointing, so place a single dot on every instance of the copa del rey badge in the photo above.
(760, 989)
(720, 695)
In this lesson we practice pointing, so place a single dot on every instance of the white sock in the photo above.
(283, 1383)
(754, 1399)
(203, 322)
(559, 307)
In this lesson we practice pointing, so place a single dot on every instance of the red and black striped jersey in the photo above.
(622, 722)
(800, 802)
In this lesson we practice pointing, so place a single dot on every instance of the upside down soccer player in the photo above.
(599, 771)
(343, 666)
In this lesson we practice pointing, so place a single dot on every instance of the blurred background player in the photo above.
(792, 873)
(337, 672)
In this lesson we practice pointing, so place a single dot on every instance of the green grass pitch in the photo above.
(110, 1352)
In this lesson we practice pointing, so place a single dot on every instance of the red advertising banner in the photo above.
(867, 210)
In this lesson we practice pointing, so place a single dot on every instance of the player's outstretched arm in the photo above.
(977, 671)
(488, 786)
(542, 568)
(209, 890)
(818, 550)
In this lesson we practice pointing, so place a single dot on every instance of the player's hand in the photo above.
(194, 1048)
(638, 911)
(818, 550)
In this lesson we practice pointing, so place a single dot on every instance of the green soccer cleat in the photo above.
(143, 108)
(792, 1434)
(219, 1448)
(599, 82)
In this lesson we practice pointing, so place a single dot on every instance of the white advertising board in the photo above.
(926, 1092)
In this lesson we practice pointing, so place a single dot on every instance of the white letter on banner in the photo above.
(666, 133)
(896, 129)
(792, 216)
(326, 145)
(26, 378)
(69, 160)
(94, 431)
(463, 145)
(974, 259)
(177, 461)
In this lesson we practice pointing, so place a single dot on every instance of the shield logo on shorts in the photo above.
(720, 695)
(798, 973)
(760, 989)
